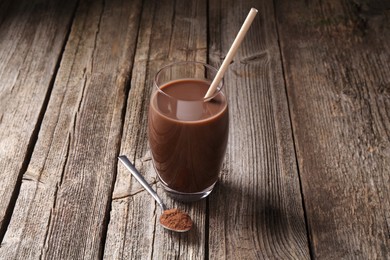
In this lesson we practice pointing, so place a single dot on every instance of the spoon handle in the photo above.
(141, 179)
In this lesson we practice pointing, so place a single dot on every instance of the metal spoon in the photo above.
(166, 212)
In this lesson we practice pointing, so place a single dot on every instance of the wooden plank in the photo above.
(32, 36)
(63, 207)
(257, 211)
(337, 63)
(169, 31)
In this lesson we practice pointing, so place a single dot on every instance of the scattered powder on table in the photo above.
(176, 219)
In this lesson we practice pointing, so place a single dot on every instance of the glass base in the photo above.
(188, 197)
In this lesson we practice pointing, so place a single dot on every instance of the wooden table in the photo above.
(307, 168)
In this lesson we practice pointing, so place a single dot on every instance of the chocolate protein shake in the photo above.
(187, 135)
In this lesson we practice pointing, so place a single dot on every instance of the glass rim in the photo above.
(208, 66)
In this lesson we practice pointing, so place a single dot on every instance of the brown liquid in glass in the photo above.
(187, 136)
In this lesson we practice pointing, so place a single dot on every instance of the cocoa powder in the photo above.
(176, 219)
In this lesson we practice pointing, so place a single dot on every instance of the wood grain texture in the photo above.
(32, 36)
(256, 211)
(309, 94)
(63, 206)
(169, 31)
(337, 60)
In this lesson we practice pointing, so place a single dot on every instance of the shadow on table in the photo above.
(255, 215)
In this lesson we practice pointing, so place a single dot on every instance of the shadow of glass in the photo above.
(257, 220)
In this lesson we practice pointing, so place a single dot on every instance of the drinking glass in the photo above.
(187, 134)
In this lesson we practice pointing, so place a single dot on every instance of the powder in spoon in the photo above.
(176, 219)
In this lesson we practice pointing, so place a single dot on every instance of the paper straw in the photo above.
(231, 53)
